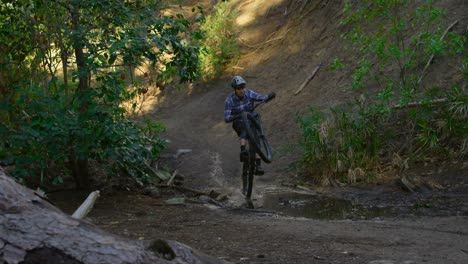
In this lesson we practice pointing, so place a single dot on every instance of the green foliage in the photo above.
(337, 64)
(219, 40)
(352, 142)
(394, 40)
(393, 35)
(342, 144)
(40, 141)
(61, 84)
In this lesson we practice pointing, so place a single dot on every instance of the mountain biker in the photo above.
(242, 99)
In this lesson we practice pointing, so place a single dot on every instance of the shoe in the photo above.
(244, 155)
(258, 168)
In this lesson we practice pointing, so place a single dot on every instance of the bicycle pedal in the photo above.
(259, 172)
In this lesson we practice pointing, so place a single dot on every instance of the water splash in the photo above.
(216, 170)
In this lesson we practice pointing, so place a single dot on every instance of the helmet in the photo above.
(237, 82)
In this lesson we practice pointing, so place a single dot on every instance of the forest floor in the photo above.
(292, 220)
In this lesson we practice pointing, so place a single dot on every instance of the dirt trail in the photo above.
(287, 48)
(238, 235)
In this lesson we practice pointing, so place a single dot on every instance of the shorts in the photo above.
(238, 126)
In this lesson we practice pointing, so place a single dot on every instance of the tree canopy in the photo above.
(64, 69)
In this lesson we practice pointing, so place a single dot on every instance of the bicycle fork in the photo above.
(248, 171)
(245, 174)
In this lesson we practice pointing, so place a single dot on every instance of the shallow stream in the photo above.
(320, 207)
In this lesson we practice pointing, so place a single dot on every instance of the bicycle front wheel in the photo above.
(258, 141)
(251, 172)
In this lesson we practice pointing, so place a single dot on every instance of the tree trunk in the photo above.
(79, 169)
(34, 231)
(80, 165)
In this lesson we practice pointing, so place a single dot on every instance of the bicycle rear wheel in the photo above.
(257, 139)
(245, 176)
(250, 172)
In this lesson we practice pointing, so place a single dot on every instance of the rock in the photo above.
(176, 201)
(221, 197)
(204, 199)
(180, 152)
(214, 194)
(152, 192)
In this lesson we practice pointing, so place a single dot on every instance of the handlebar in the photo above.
(255, 105)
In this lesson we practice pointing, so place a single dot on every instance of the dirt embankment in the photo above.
(282, 44)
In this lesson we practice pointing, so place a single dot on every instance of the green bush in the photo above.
(354, 142)
(219, 40)
(394, 43)
(61, 83)
(39, 142)
(339, 145)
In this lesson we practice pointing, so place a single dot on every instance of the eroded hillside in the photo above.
(282, 43)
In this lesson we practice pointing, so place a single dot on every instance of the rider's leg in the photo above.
(258, 168)
(243, 153)
(243, 143)
(238, 126)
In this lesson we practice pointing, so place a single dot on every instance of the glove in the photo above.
(270, 96)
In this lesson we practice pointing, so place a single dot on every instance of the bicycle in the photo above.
(258, 144)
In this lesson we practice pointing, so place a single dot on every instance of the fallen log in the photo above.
(423, 73)
(86, 206)
(169, 182)
(34, 231)
(415, 104)
(311, 76)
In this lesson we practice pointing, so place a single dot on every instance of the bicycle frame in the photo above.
(258, 144)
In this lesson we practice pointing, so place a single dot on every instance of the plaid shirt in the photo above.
(234, 106)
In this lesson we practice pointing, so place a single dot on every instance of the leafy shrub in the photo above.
(219, 40)
(394, 42)
(342, 144)
(61, 82)
(39, 142)
(354, 142)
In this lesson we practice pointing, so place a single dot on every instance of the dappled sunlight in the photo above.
(264, 26)
(250, 10)
(273, 35)
(144, 104)
(264, 31)
(148, 104)
(190, 88)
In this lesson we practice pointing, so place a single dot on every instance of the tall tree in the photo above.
(97, 41)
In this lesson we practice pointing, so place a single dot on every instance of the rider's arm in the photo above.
(228, 116)
(255, 96)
